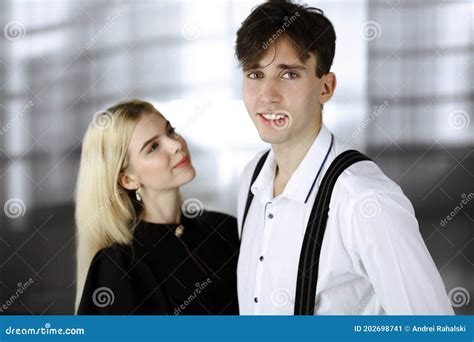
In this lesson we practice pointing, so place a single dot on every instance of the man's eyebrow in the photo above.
(281, 66)
(168, 125)
(292, 66)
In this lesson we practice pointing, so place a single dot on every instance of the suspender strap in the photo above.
(310, 252)
(258, 168)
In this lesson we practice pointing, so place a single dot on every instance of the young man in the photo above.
(323, 230)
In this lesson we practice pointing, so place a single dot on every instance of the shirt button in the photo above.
(261, 258)
(255, 300)
(270, 216)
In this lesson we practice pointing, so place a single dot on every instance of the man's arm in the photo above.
(393, 255)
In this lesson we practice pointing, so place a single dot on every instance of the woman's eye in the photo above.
(153, 147)
(290, 75)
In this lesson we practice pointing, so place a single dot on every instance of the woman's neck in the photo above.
(164, 207)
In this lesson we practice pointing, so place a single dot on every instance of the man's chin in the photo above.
(273, 137)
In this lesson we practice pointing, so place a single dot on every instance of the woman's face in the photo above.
(159, 157)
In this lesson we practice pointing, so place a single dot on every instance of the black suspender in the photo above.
(313, 237)
(309, 257)
(258, 168)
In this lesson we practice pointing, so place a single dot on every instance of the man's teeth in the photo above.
(273, 116)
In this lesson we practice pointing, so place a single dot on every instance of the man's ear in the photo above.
(128, 181)
(328, 88)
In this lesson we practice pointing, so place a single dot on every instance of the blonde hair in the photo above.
(105, 212)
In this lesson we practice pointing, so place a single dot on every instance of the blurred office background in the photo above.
(405, 96)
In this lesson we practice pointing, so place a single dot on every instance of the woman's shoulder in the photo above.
(224, 224)
(111, 283)
(115, 254)
(218, 218)
(218, 221)
(111, 263)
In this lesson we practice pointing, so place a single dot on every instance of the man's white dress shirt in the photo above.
(373, 259)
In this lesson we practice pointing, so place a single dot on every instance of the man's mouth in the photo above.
(273, 116)
(273, 119)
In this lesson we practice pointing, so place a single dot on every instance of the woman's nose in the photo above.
(175, 145)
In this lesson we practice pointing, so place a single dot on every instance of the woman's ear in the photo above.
(128, 181)
(328, 88)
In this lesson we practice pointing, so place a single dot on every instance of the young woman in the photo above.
(140, 250)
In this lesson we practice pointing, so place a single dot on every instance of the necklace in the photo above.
(179, 231)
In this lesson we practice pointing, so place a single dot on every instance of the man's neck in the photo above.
(289, 156)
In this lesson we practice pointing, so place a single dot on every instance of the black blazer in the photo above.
(163, 274)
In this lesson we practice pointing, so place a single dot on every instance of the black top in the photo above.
(163, 274)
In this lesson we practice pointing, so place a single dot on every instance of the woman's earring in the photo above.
(137, 195)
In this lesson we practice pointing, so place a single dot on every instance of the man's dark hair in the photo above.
(306, 28)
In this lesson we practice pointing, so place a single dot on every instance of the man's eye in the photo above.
(253, 75)
(290, 75)
(153, 147)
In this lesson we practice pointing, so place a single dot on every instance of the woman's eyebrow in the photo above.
(147, 142)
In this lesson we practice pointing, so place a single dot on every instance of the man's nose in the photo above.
(269, 92)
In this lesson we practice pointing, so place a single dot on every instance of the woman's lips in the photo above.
(183, 163)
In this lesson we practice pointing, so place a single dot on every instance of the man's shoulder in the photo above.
(365, 178)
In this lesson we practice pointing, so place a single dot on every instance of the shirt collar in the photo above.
(303, 180)
(263, 185)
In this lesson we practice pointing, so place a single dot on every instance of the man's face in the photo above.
(282, 95)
